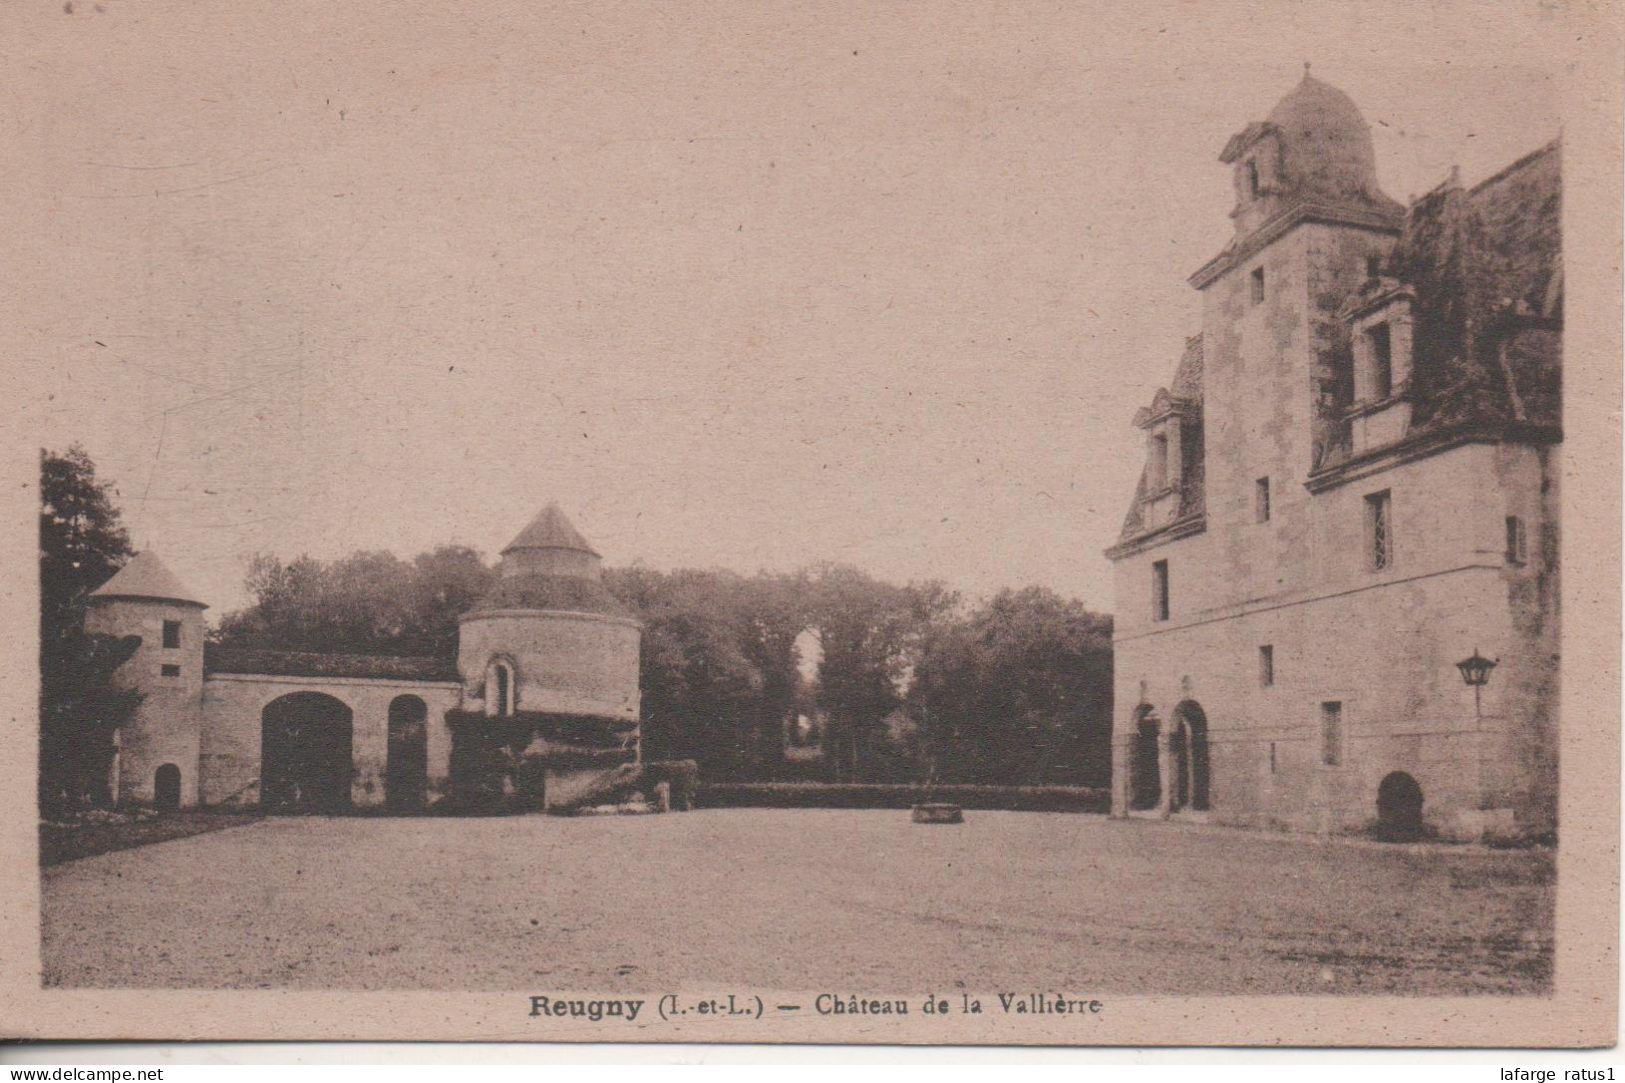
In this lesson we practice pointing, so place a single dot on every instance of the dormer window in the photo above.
(1256, 285)
(1380, 350)
(1158, 468)
(1380, 332)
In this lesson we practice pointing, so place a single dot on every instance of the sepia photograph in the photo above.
(929, 524)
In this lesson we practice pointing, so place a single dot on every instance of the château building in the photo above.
(1350, 488)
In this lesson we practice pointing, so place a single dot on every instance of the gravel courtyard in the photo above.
(809, 899)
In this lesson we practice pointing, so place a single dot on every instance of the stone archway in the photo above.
(406, 774)
(1144, 770)
(305, 753)
(1191, 761)
(1399, 807)
(166, 787)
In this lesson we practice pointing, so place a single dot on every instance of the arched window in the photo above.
(500, 693)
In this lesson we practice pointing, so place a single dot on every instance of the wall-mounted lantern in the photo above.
(1476, 672)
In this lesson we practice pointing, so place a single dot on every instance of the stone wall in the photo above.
(567, 663)
(1382, 643)
(231, 719)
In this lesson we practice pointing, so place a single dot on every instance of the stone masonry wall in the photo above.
(1382, 643)
(231, 719)
(568, 663)
(165, 726)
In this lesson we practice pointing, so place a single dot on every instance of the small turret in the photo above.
(158, 755)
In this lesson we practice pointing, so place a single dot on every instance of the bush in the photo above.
(866, 795)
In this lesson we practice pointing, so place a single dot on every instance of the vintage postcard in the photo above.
(947, 523)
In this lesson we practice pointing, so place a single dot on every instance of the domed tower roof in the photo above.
(1312, 159)
(146, 578)
(1326, 145)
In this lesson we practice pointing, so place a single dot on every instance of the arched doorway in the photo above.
(166, 787)
(1188, 745)
(1399, 807)
(406, 775)
(305, 750)
(1145, 775)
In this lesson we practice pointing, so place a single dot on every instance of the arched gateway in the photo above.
(305, 751)
(406, 778)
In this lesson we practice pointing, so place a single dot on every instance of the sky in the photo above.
(743, 286)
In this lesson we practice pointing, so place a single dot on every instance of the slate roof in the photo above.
(218, 659)
(146, 577)
(551, 529)
(556, 592)
(1485, 266)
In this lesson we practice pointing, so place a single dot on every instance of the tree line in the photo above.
(881, 682)
(896, 683)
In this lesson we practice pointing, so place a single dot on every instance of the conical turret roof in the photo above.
(550, 530)
(549, 567)
(146, 577)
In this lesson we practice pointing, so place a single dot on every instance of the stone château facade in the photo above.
(1351, 486)
(547, 664)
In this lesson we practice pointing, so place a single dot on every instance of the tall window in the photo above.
(172, 633)
(1257, 286)
(1266, 665)
(1379, 528)
(499, 690)
(1252, 179)
(1261, 500)
(1517, 551)
(1159, 462)
(1331, 733)
(1382, 361)
(1159, 590)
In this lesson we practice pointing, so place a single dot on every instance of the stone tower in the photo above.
(1311, 224)
(157, 759)
(549, 638)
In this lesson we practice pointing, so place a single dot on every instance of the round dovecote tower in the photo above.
(158, 749)
(549, 638)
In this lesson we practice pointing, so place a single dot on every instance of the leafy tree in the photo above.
(871, 634)
(82, 543)
(446, 582)
(1019, 693)
(364, 603)
(719, 664)
(80, 711)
